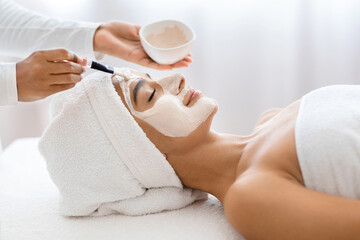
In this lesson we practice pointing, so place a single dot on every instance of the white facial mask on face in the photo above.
(169, 115)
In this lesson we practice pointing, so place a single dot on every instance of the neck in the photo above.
(211, 167)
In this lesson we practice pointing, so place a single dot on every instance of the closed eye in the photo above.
(152, 95)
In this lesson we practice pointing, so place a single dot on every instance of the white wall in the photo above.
(250, 55)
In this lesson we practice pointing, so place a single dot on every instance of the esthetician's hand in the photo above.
(122, 40)
(44, 73)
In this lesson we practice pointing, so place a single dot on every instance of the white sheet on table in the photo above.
(29, 204)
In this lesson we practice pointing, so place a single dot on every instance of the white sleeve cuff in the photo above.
(8, 88)
(89, 43)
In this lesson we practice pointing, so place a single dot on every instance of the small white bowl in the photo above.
(161, 53)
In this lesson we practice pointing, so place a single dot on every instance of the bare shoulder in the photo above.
(272, 112)
(286, 210)
(245, 200)
(267, 115)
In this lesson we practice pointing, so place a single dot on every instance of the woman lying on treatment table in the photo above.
(296, 176)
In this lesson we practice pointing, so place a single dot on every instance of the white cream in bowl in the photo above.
(167, 41)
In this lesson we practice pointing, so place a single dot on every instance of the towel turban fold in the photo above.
(101, 160)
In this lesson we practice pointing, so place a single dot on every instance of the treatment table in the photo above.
(29, 209)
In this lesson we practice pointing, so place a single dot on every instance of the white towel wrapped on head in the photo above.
(101, 160)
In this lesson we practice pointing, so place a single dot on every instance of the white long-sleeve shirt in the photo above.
(23, 31)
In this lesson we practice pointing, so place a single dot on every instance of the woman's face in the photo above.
(166, 109)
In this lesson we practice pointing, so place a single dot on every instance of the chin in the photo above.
(206, 125)
(215, 106)
(211, 116)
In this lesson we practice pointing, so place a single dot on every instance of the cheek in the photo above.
(166, 116)
(177, 145)
(171, 118)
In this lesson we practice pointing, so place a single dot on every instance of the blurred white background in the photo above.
(250, 55)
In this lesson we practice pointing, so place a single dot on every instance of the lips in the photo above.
(191, 96)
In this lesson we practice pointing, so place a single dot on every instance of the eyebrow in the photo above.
(137, 87)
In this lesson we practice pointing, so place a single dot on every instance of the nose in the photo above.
(174, 83)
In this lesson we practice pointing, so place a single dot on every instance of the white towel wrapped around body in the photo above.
(327, 138)
(101, 160)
